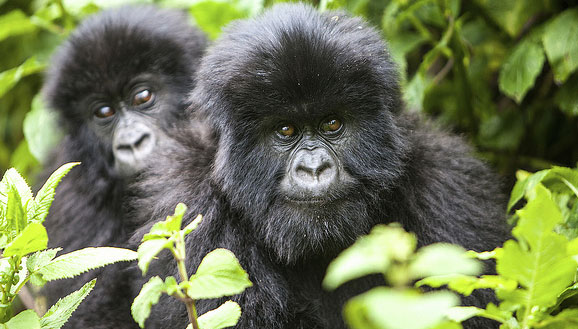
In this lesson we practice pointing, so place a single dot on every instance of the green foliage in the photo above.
(391, 251)
(219, 274)
(536, 271)
(23, 241)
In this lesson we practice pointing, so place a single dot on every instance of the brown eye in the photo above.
(331, 125)
(142, 97)
(104, 112)
(286, 130)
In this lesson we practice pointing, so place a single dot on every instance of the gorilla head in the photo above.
(305, 113)
(119, 80)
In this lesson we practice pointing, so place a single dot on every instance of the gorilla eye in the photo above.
(142, 97)
(331, 125)
(286, 130)
(104, 112)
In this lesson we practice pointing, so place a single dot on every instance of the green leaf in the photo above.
(31, 239)
(15, 23)
(465, 284)
(15, 216)
(41, 130)
(393, 309)
(539, 261)
(60, 312)
(561, 44)
(148, 296)
(567, 97)
(224, 316)
(148, 250)
(567, 319)
(40, 259)
(443, 259)
(520, 70)
(370, 254)
(10, 78)
(218, 275)
(24, 320)
(80, 261)
(12, 179)
(511, 15)
(166, 228)
(193, 225)
(39, 209)
(524, 185)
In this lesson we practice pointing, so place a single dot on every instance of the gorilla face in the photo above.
(308, 139)
(119, 82)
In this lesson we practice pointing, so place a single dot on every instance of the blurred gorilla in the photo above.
(119, 83)
(312, 150)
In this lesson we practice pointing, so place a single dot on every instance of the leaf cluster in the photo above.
(23, 241)
(391, 252)
(219, 274)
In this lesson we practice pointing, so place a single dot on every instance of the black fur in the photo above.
(293, 63)
(101, 58)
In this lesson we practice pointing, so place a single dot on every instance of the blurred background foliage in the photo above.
(503, 73)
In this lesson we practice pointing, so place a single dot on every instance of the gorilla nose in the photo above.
(132, 147)
(133, 143)
(314, 170)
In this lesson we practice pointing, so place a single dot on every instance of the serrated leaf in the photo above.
(24, 320)
(218, 275)
(32, 238)
(148, 296)
(39, 209)
(226, 315)
(520, 70)
(193, 225)
(369, 254)
(393, 309)
(560, 41)
(60, 312)
(14, 179)
(443, 259)
(10, 78)
(539, 261)
(524, 185)
(80, 261)
(40, 259)
(15, 216)
(148, 250)
(169, 226)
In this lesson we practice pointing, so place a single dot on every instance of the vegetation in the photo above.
(501, 72)
(23, 241)
(219, 274)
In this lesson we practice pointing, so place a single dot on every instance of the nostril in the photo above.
(141, 140)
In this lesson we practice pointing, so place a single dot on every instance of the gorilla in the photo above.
(308, 147)
(119, 83)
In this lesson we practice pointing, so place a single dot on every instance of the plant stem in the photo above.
(179, 254)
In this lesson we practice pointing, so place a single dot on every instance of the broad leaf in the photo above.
(370, 254)
(80, 261)
(465, 284)
(218, 275)
(224, 316)
(388, 308)
(15, 23)
(40, 259)
(148, 296)
(41, 130)
(10, 78)
(45, 196)
(510, 15)
(60, 312)
(149, 250)
(567, 97)
(14, 179)
(520, 70)
(24, 320)
(561, 44)
(32, 238)
(443, 259)
(15, 216)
